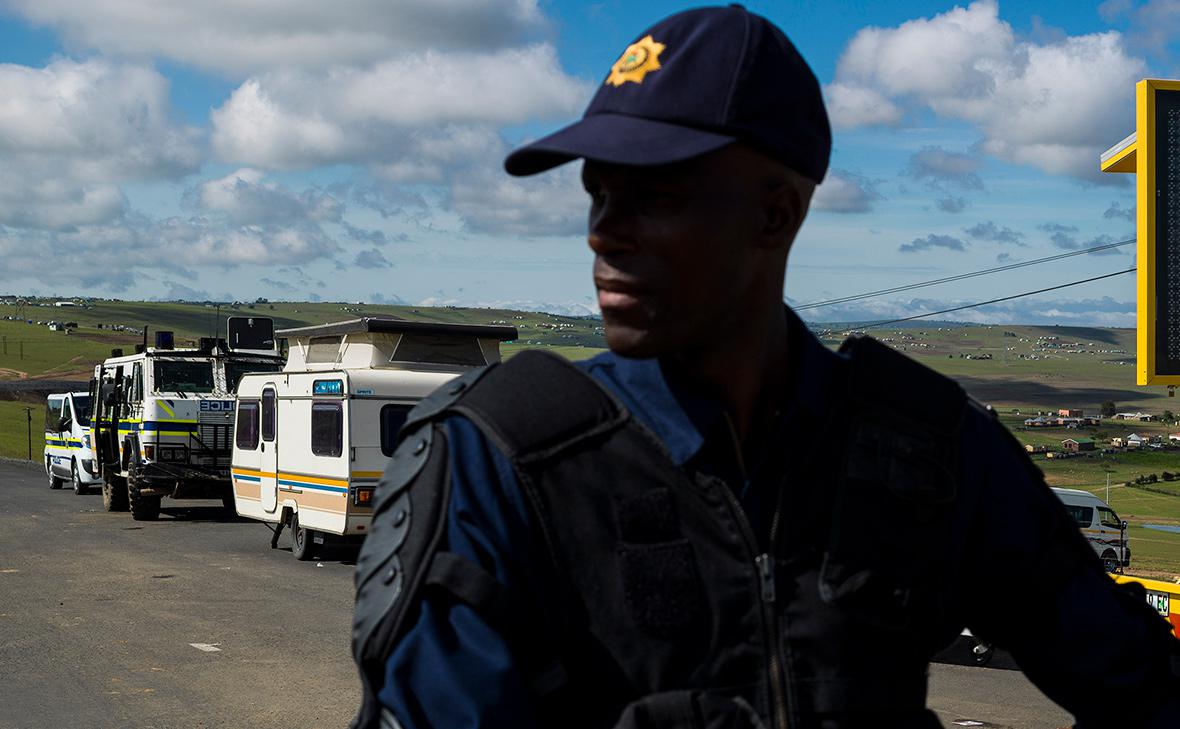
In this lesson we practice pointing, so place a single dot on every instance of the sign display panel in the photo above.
(1167, 232)
(251, 332)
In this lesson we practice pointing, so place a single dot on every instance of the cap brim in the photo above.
(616, 139)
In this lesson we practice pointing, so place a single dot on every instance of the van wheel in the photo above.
(54, 481)
(114, 494)
(302, 540)
(1110, 561)
(143, 508)
(80, 489)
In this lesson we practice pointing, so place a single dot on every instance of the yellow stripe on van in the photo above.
(164, 406)
(313, 479)
(248, 472)
(367, 474)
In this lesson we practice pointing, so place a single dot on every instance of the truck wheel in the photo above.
(114, 494)
(302, 540)
(80, 489)
(54, 481)
(1110, 561)
(143, 508)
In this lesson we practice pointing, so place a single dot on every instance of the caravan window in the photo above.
(268, 415)
(393, 417)
(323, 349)
(327, 429)
(247, 431)
(438, 349)
(1083, 515)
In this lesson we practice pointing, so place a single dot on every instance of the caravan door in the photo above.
(269, 465)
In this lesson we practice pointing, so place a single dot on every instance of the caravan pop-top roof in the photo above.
(388, 342)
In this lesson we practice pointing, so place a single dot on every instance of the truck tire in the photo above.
(80, 489)
(302, 540)
(143, 508)
(1110, 561)
(114, 494)
(54, 481)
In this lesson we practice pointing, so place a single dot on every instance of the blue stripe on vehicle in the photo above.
(314, 486)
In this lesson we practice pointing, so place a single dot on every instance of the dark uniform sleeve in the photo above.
(452, 669)
(1036, 588)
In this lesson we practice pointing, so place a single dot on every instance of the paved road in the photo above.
(98, 615)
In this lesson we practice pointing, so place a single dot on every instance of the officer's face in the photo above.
(681, 251)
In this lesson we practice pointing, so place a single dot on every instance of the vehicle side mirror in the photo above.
(1125, 525)
(63, 424)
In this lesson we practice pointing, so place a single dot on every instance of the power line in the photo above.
(992, 301)
(961, 276)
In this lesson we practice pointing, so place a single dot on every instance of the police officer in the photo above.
(720, 522)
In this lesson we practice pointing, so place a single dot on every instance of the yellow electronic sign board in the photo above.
(1152, 152)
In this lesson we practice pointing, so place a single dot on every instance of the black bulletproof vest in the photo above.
(662, 584)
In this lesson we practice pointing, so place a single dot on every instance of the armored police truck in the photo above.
(67, 442)
(312, 441)
(163, 416)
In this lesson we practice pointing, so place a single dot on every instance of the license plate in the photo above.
(1161, 601)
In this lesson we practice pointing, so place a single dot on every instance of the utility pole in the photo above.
(1108, 487)
(29, 422)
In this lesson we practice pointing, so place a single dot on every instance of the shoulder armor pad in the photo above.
(406, 527)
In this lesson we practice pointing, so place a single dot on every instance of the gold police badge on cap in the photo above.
(636, 62)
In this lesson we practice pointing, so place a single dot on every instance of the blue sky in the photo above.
(351, 151)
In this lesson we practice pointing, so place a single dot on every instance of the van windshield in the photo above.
(183, 375)
(82, 409)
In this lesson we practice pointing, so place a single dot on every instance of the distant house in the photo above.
(1135, 440)
(64, 303)
(1142, 417)
(1173, 436)
(1118, 442)
(1069, 413)
(1078, 444)
(1030, 448)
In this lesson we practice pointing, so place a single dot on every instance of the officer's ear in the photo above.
(788, 195)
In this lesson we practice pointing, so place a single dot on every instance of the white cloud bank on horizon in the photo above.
(1054, 106)
(1104, 311)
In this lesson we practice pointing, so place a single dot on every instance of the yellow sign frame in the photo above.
(1136, 154)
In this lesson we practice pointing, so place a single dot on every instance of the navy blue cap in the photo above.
(692, 83)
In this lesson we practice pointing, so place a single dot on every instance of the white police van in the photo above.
(163, 416)
(312, 441)
(68, 455)
(1101, 527)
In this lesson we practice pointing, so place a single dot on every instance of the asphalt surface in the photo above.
(193, 621)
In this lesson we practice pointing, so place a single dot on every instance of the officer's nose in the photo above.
(609, 229)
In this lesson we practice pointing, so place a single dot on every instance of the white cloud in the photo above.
(246, 36)
(71, 132)
(1053, 105)
(382, 113)
(844, 192)
(1102, 311)
(851, 106)
(490, 201)
(243, 198)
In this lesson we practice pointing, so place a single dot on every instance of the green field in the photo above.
(14, 430)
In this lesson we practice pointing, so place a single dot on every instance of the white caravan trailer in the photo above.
(312, 441)
(163, 416)
(67, 442)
